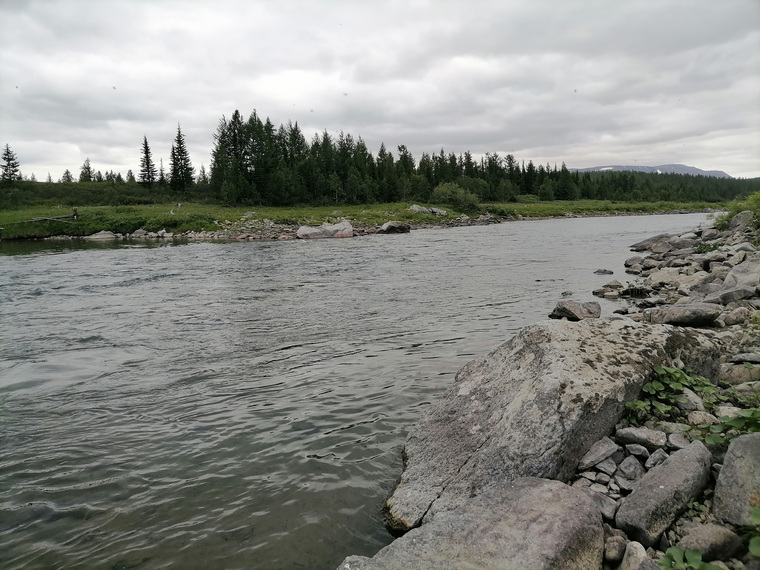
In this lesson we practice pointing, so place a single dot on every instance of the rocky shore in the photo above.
(627, 442)
(251, 228)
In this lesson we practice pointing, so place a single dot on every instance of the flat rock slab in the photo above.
(738, 487)
(664, 493)
(525, 523)
(694, 315)
(574, 311)
(339, 230)
(532, 408)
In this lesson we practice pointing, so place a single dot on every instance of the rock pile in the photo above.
(543, 411)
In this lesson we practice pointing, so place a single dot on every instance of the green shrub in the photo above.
(455, 196)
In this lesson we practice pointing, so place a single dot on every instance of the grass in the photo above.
(17, 224)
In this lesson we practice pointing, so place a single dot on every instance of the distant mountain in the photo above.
(662, 169)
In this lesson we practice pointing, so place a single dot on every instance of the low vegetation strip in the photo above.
(43, 221)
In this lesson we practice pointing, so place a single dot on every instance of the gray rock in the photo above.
(657, 457)
(726, 296)
(339, 230)
(726, 411)
(735, 374)
(533, 407)
(600, 451)
(630, 469)
(604, 272)
(738, 316)
(608, 466)
(715, 542)
(614, 549)
(693, 402)
(742, 357)
(101, 236)
(746, 274)
(739, 481)
(608, 507)
(635, 554)
(701, 418)
(693, 315)
(625, 484)
(648, 243)
(525, 523)
(664, 493)
(638, 450)
(710, 233)
(748, 388)
(649, 438)
(677, 441)
(602, 478)
(741, 221)
(393, 227)
(575, 311)
(631, 261)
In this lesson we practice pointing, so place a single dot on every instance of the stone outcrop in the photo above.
(511, 525)
(393, 227)
(575, 311)
(339, 230)
(532, 408)
(738, 487)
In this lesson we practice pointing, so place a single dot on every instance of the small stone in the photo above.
(651, 439)
(630, 469)
(581, 483)
(678, 440)
(618, 457)
(727, 411)
(701, 418)
(635, 554)
(656, 458)
(624, 484)
(637, 450)
(597, 488)
(602, 478)
(693, 402)
(607, 466)
(598, 452)
(715, 542)
(606, 505)
(613, 487)
(614, 549)
(590, 475)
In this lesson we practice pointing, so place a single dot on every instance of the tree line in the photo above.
(255, 163)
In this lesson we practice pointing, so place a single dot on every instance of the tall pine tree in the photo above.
(180, 167)
(148, 174)
(10, 166)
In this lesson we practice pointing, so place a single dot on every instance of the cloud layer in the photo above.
(587, 83)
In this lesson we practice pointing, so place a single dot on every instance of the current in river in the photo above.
(244, 405)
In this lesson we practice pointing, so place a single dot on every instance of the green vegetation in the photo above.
(679, 559)
(748, 421)
(665, 392)
(19, 223)
(751, 203)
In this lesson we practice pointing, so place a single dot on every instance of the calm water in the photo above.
(243, 405)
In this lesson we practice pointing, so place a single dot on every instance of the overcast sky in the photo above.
(585, 82)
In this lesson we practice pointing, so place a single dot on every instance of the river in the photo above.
(244, 405)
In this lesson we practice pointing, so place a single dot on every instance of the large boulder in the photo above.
(525, 523)
(691, 315)
(664, 493)
(532, 408)
(738, 487)
(339, 230)
(741, 221)
(656, 242)
(746, 274)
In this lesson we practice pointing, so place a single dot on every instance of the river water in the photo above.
(243, 405)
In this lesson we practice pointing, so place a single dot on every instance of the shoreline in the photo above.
(266, 230)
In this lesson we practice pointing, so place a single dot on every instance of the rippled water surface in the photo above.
(243, 405)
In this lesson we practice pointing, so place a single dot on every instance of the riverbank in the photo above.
(203, 221)
(605, 443)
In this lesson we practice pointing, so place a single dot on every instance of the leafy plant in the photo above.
(679, 559)
(665, 391)
(747, 421)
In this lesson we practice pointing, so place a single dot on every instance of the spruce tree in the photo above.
(10, 166)
(148, 173)
(180, 167)
(85, 172)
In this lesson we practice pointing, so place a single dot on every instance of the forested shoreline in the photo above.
(255, 163)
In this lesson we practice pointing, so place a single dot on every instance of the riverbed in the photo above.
(244, 405)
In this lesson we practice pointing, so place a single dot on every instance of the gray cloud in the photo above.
(587, 83)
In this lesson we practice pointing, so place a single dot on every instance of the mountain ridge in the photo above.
(661, 169)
